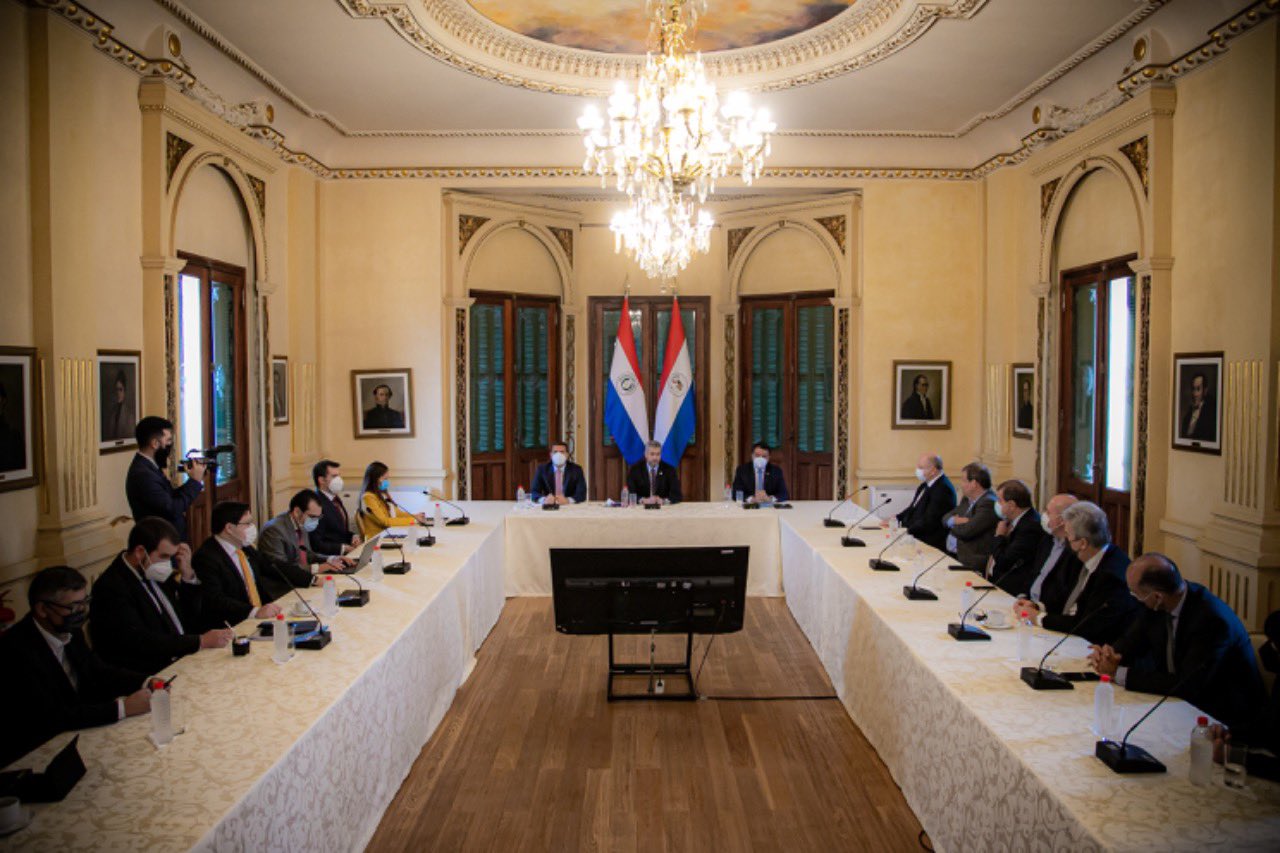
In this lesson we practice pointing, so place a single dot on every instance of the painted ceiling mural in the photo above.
(621, 26)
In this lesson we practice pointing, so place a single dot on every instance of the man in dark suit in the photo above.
(1199, 421)
(285, 543)
(760, 480)
(652, 479)
(917, 406)
(1098, 581)
(934, 498)
(333, 535)
(1018, 537)
(381, 415)
(231, 570)
(147, 485)
(559, 481)
(141, 618)
(1186, 639)
(1056, 567)
(972, 524)
(53, 681)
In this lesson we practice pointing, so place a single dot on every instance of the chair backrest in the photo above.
(1268, 677)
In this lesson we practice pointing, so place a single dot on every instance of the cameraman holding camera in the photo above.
(147, 485)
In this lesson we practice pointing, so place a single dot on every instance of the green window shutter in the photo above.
(487, 381)
(813, 376)
(767, 360)
(531, 376)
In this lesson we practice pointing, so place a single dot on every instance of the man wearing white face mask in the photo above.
(286, 543)
(559, 481)
(760, 480)
(146, 606)
(333, 535)
(934, 498)
(230, 569)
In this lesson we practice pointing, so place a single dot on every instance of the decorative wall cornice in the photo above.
(564, 236)
(735, 238)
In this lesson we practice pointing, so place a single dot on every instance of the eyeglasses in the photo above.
(74, 607)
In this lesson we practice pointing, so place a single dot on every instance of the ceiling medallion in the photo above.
(668, 144)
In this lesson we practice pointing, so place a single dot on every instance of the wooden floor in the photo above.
(531, 757)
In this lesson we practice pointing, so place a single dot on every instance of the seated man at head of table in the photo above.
(285, 543)
(1018, 536)
(934, 498)
(760, 480)
(53, 681)
(147, 604)
(333, 535)
(231, 570)
(652, 480)
(1187, 641)
(559, 481)
(971, 526)
(1096, 580)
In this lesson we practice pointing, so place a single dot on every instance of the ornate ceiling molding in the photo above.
(455, 33)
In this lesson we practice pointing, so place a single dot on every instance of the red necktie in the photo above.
(342, 510)
(302, 555)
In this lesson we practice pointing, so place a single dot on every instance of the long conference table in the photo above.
(308, 754)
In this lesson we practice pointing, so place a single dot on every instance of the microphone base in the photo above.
(851, 541)
(831, 522)
(1127, 758)
(919, 593)
(1044, 679)
(883, 566)
(426, 541)
(401, 568)
(316, 641)
(353, 598)
(961, 631)
(457, 522)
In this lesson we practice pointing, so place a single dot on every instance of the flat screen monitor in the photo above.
(641, 590)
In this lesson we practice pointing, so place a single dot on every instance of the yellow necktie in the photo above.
(249, 585)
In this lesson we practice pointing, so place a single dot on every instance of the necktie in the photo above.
(1054, 553)
(920, 490)
(342, 510)
(246, 574)
(1070, 607)
(302, 554)
(759, 480)
(70, 670)
(559, 482)
(1170, 625)
(653, 473)
(161, 602)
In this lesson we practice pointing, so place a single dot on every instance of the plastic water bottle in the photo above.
(280, 639)
(376, 565)
(625, 496)
(728, 493)
(1104, 701)
(330, 607)
(966, 597)
(520, 496)
(439, 520)
(1024, 636)
(161, 715)
(1201, 753)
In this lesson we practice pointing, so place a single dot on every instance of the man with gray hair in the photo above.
(652, 480)
(1097, 582)
(934, 498)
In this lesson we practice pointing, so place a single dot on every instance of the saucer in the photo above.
(21, 823)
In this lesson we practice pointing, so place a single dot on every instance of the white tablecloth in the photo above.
(531, 533)
(985, 762)
(301, 756)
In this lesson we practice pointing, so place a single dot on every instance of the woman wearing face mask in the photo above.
(378, 511)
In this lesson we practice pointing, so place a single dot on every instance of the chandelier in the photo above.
(666, 146)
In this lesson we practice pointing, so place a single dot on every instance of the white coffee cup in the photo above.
(997, 619)
(10, 813)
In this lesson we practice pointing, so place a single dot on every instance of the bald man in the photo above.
(934, 498)
(1186, 641)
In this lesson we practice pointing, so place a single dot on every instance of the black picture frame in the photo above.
(19, 418)
(1197, 432)
(119, 399)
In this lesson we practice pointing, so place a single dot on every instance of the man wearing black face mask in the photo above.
(53, 681)
(147, 485)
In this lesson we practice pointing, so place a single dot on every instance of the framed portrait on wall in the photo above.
(279, 390)
(119, 398)
(922, 395)
(1197, 402)
(383, 402)
(1023, 400)
(19, 421)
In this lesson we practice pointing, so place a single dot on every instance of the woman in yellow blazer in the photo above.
(377, 510)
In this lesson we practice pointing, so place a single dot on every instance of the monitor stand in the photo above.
(655, 673)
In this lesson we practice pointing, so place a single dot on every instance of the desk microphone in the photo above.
(315, 640)
(453, 522)
(852, 541)
(1039, 678)
(1123, 758)
(962, 631)
(915, 593)
(399, 568)
(835, 522)
(879, 565)
(353, 598)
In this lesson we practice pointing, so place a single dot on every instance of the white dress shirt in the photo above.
(231, 548)
(58, 645)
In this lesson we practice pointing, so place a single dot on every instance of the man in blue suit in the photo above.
(559, 481)
(760, 480)
(147, 485)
